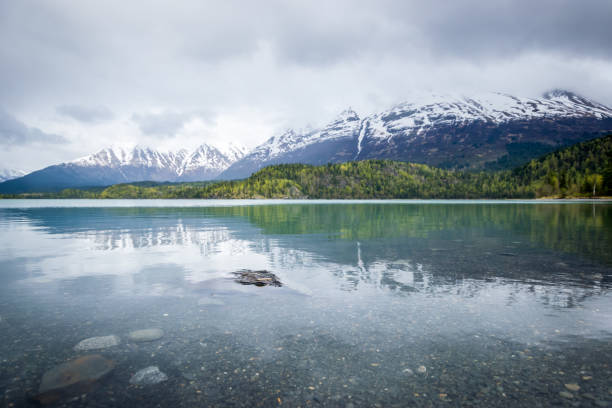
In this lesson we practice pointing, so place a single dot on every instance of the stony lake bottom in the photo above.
(400, 303)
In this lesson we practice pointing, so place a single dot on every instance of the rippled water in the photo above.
(384, 303)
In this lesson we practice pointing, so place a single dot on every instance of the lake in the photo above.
(383, 303)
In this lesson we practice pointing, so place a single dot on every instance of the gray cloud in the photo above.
(14, 132)
(287, 63)
(87, 114)
(165, 123)
(160, 124)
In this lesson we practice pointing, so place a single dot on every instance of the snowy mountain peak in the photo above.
(9, 174)
(233, 151)
(347, 115)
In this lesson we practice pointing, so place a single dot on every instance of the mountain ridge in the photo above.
(474, 130)
(117, 164)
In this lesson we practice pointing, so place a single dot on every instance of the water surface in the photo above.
(395, 303)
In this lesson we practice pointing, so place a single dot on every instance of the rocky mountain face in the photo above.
(9, 174)
(120, 165)
(490, 131)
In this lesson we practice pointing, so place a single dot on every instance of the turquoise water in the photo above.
(393, 303)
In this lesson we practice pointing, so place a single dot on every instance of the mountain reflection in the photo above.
(558, 254)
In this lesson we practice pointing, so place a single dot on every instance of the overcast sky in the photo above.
(76, 76)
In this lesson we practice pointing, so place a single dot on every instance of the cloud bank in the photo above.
(144, 71)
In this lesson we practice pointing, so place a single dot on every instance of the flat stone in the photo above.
(148, 376)
(72, 378)
(95, 343)
(572, 387)
(146, 335)
(566, 394)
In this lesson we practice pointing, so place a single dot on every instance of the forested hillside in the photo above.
(582, 170)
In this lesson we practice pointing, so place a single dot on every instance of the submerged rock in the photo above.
(572, 387)
(257, 278)
(72, 378)
(94, 343)
(146, 335)
(148, 376)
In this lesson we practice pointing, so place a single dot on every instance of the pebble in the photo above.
(572, 387)
(566, 394)
(408, 371)
(422, 370)
(146, 335)
(94, 343)
(148, 376)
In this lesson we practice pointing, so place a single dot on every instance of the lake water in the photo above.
(395, 303)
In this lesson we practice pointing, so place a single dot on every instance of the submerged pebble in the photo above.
(148, 376)
(146, 335)
(94, 343)
(572, 387)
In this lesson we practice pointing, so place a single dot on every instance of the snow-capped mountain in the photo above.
(9, 174)
(314, 146)
(207, 162)
(490, 130)
(116, 164)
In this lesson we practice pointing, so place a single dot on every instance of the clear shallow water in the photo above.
(503, 303)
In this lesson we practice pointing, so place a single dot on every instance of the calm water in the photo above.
(384, 304)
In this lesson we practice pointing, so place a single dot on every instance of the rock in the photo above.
(422, 370)
(572, 387)
(601, 403)
(210, 301)
(407, 371)
(566, 394)
(257, 278)
(72, 378)
(94, 343)
(145, 335)
(148, 376)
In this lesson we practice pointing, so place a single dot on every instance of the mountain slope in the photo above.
(333, 143)
(120, 165)
(483, 131)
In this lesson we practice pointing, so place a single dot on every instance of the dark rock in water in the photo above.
(72, 378)
(257, 278)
